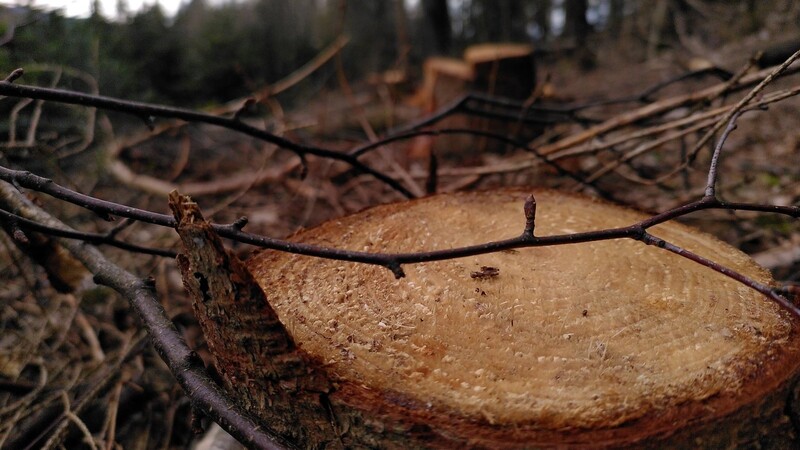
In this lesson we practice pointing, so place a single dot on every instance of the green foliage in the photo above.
(215, 52)
(203, 55)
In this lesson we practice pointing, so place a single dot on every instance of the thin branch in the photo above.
(391, 261)
(496, 137)
(72, 417)
(711, 184)
(149, 110)
(645, 147)
(687, 160)
(361, 117)
(14, 75)
(37, 112)
(92, 238)
(307, 69)
(569, 113)
(394, 261)
(744, 101)
(767, 291)
(262, 95)
(533, 114)
(646, 95)
(184, 364)
(658, 107)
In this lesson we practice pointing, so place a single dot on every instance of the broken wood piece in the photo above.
(263, 368)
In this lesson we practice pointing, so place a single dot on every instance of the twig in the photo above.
(689, 120)
(185, 365)
(12, 121)
(767, 291)
(72, 417)
(393, 261)
(29, 397)
(89, 335)
(646, 147)
(96, 387)
(496, 137)
(344, 84)
(687, 161)
(148, 110)
(697, 121)
(654, 109)
(261, 95)
(111, 421)
(538, 114)
(744, 101)
(30, 136)
(711, 184)
(14, 75)
(94, 238)
(533, 114)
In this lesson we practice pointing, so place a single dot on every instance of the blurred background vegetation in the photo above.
(209, 52)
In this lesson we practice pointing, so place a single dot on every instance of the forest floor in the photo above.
(81, 351)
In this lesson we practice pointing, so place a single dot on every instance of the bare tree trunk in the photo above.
(657, 23)
(542, 19)
(577, 27)
(438, 18)
(401, 26)
(616, 16)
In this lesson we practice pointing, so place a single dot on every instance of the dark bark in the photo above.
(616, 16)
(542, 19)
(578, 28)
(438, 19)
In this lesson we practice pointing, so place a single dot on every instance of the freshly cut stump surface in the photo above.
(595, 344)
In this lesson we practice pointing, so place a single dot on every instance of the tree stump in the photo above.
(503, 69)
(604, 344)
(499, 69)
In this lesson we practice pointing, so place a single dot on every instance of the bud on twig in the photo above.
(530, 216)
(13, 76)
(247, 105)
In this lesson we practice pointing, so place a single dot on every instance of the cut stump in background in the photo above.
(603, 344)
(505, 70)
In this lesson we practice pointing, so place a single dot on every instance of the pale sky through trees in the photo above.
(108, 8)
